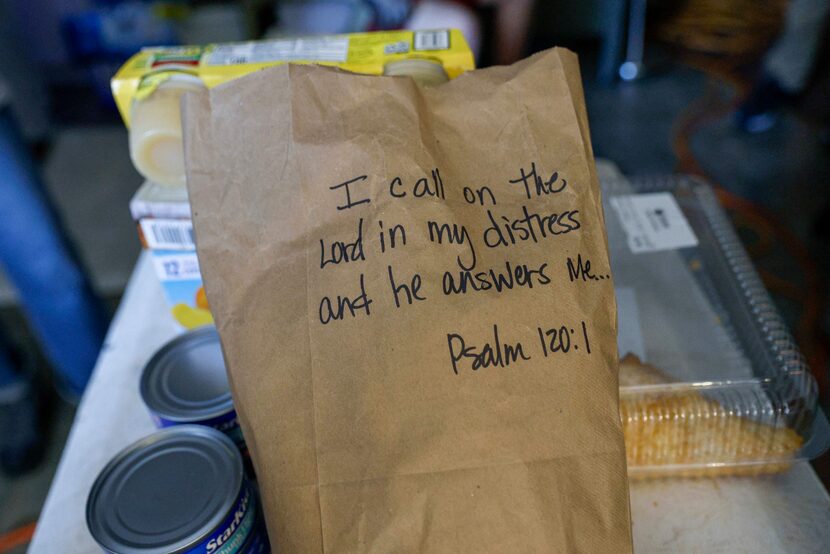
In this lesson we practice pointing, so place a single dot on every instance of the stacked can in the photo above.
(185, 382)
(180, 490)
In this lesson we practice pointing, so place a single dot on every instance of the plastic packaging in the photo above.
(720, 386)
(156, 133)
(425, 72)
(149, 86)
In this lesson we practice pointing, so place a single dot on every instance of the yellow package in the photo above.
(148, 87)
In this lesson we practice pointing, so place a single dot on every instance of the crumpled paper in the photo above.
(413, 294)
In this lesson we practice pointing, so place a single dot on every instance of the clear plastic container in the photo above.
(424, 72)
(156, 131)
(720, 388)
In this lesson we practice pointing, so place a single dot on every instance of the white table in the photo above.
(783, 513)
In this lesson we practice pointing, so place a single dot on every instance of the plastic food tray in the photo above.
(721, 387)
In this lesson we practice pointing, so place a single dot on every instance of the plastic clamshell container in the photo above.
(720, 387)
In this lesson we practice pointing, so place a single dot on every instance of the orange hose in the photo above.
(17, 537)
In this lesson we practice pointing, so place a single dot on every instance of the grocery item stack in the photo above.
(148, 90)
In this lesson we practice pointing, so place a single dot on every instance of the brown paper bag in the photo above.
(413, 295)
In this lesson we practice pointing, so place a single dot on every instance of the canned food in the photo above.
(186, 382)
(180, 490)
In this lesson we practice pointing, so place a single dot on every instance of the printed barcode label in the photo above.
(176, 267)
(318, 49)
(168, 234)
(432, 40)
(400, 47)
(653, 222)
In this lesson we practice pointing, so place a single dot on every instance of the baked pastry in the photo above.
(683, 433)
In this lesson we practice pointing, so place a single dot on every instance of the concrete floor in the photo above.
(91, 180)
(631, 123)
(21, 498)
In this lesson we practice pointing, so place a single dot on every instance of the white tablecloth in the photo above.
(783, 513)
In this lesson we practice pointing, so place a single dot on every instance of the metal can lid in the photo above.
(185, 381)
(165, 493)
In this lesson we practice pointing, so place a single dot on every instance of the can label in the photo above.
(258, 541)
(242, 532)
(232, 535)
(227, 423)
